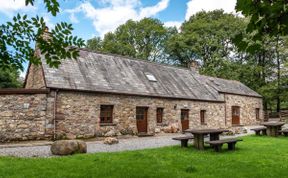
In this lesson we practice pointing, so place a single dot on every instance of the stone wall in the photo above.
(78, 114)
(35, 78)
(247, 106)
(31, 116)
(23, 117)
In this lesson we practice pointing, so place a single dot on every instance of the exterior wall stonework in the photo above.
(78, 114)
(247, 106)
(31, 116)
(35, 78)
(23, 117)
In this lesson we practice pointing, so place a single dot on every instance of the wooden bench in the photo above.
(285, 132)
(217, 144)
(259, 130)
(184, 140)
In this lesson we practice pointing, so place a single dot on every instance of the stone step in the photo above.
(144, 135)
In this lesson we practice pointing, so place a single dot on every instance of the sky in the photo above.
(92, 18)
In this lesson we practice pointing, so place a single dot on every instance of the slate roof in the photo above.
(117, 74)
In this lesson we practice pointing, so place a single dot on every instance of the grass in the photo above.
(255, 157)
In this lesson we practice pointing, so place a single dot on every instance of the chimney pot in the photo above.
(46, 29)
(193, 66)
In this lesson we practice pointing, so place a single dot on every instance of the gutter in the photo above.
(225, 110)
(136, 94)
(229, 93)
(54, 114)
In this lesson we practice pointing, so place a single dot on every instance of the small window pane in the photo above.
(106, 114)
(150, 77)
(159, 115)
(257, 114)
(184, 114)
(140, 113)
(202, 116)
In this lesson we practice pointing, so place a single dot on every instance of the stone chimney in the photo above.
(46, 34)
(194, 66)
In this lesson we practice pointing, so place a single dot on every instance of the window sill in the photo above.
(107, 124)
(204, 124)
(159, 124)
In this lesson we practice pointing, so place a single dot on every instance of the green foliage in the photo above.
(51, 5)
(266, 17)
(142, 39)
(263, 157)
(94, 44)
(9, 78)
(206, 38)
(17, 37)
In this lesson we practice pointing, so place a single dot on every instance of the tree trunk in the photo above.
(278, 107)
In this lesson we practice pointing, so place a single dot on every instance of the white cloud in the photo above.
(153, 10)
(116, 12)
(10, 6)
(194, 6)
(48, 22)
(176, 24)
(73, 18)
(119, 2)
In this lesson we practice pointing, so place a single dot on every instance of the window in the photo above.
(184, 114)
(151, 77)
(106, 114)
(159, 115)
(140, 113)
(257, 114)
(202, 116)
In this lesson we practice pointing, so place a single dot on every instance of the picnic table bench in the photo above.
(217, 144)
(259, 130)
(184, 140)
(273, 128)
(199, 135)
(285, 132)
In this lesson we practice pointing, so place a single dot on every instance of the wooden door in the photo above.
(235, 115)
(141, 119)
(185, 119)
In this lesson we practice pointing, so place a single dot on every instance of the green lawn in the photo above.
(255, 157)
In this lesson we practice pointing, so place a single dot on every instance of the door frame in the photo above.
(187, 120)
(239, 114)
(145, 118)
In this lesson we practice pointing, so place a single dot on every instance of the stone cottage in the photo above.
(106, 95)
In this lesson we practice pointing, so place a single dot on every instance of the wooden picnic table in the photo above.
(200, 133)
(273, 128)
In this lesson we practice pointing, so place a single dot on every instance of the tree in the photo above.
(207, 38)
(18, 37)
(267, 17)
(9, 78)
(95, 44)
(144, 39)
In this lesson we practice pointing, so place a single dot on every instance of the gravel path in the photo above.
(96, 146)
(136, 143)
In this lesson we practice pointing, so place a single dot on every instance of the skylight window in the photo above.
(151, 77)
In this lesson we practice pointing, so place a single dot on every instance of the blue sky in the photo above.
(96, 17)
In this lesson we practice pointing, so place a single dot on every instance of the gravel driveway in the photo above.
(137, 143)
